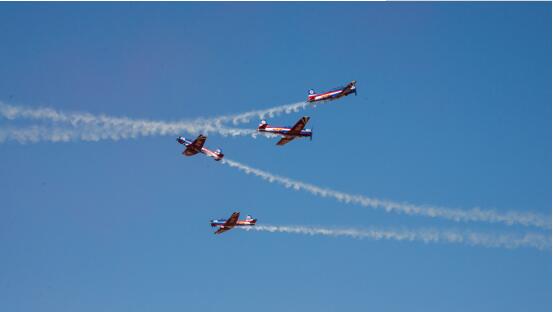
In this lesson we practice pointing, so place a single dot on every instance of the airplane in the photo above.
(197, 146)
(288, 133)
(227, 224)
(334, 94)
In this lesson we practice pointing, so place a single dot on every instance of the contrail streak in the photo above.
(97, 127)
(34, 134)
(142, 126)
(39, 133)
(260, 114)
(475, 214)
(532, 240)
(126, 127)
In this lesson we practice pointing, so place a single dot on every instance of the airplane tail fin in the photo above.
(181, 140)
(311, 95)
(219, 153)
(353, 88)
(262, 124)
(251, 220)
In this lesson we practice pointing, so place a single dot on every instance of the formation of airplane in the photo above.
(288, 133)
(332, 94)
(197, 146)
(227, 224)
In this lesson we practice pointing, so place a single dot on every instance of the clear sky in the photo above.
(454, 110)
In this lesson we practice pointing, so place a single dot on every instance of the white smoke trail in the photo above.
(34, 134)
(475, 214)
(75, 119)
(123, 128)
(260, 114)
(510, 241)
(40, 133)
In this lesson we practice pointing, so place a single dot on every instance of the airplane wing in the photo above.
(221, 230)
(199, 142)
(195, 146)
(299, 125)
(232, 220)
(285, 140)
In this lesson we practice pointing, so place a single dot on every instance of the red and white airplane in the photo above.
(227, 224)
(288, 133)
(197, 146)
(334, 94)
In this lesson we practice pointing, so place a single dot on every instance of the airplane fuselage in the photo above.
(221, 222)
(334, 94)
(286, 131)
(207, 152)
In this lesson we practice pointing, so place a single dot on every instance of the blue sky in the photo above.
(454, 110)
